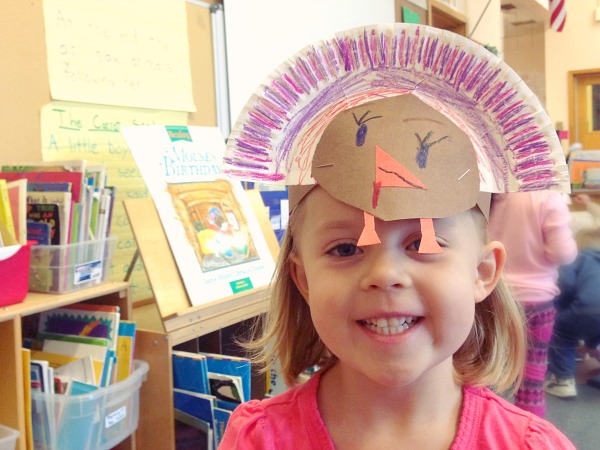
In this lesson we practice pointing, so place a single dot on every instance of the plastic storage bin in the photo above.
(96, 420)
(59, 269)
(8, 438)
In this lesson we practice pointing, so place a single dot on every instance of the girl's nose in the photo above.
(384, 269)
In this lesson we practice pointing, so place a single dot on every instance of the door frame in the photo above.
(573, 76)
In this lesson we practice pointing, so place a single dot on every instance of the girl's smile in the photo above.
(386, 310)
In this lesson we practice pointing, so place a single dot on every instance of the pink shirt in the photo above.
(291, 420)
(534, 228)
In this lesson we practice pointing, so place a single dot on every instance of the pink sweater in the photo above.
(291, 420)
(534, 228)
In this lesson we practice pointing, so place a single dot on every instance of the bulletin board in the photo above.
(25, 91)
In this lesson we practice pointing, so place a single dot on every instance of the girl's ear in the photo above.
(298, 275)
(491, 263)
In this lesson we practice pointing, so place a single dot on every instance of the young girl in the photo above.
(536, 249)
(386, 280)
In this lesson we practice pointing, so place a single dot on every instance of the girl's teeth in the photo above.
(391, 326)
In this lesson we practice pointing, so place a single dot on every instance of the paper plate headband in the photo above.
(337, 114)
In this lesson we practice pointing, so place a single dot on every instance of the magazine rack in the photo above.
(172, 318)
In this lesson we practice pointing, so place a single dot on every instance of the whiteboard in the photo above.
(261, 34)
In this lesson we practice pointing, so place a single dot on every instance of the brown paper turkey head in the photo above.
(398, 158)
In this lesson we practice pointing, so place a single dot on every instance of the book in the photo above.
(79, 369)
(43, 426)
(26, 356)
(190, 372)
(6, 215)
(212, 229)
(40, 232)
(63, 172)
(125, 349)
(49, 187)
(82, 319)
(76, 178)
(71, 165)
(40, 381)
(17, 193)
(104, 207)
(98, 353)
(192, 433)
(84, 369)
(231, 365)
(54, 208)
(221, 418)
(226, 387)
(200, 406)
(110, 362)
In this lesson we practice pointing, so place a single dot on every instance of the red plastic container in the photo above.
(14, 273)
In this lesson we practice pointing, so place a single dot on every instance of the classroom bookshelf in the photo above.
(171, 322)
(12, 320)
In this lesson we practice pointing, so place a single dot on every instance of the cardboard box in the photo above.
(14, 273)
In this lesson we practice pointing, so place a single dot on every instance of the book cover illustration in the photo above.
(83, 320)
(214, 234)
(214, 222)
(40, 232)
(54, 208)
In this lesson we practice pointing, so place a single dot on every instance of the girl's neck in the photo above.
(424, 413)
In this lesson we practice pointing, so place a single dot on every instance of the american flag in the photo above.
(558, 14)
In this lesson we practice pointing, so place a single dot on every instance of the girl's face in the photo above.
(385, 310)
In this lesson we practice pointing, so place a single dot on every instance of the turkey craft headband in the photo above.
(401, 121)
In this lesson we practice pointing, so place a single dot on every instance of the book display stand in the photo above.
(174, 320)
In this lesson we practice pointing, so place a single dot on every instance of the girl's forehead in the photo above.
(320, 210)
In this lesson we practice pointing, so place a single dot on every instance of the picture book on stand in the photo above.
(209, 222)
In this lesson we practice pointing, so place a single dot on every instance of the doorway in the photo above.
(584, 108)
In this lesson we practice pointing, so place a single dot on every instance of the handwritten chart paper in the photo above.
(93, 132)
(126, 53)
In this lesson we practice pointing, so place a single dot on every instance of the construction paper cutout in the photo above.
(368, 235)
(429, 243)
(376, 191)
(390, 173)
(383, 177)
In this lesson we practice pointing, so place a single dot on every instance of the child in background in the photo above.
(578, 309)
(386, 279)
(534, 228)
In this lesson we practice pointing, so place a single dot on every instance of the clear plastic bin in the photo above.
(98, 420)
(8, 438)
(59, 269)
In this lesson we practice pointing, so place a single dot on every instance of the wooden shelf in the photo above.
(37, 302)
(12, 406)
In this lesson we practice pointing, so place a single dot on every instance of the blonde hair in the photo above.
(493, 354)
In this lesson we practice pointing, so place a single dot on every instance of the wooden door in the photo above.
(584, 106)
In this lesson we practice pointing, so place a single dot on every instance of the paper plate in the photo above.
(515, 142)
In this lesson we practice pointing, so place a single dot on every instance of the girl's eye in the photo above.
(414, 245)
(345, 250)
